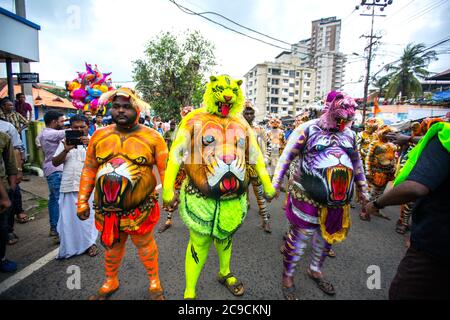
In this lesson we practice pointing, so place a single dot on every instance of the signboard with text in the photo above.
(27, 78)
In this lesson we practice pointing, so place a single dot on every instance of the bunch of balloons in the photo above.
(87, 88)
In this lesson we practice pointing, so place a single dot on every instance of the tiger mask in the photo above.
(224, 97)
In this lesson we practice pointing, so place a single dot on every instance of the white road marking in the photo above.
(16, 278)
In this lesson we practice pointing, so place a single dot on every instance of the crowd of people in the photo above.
(101, 184)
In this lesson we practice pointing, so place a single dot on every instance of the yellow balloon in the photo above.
(103, 88)
(74, 86)
(96, 87)
(86, 107)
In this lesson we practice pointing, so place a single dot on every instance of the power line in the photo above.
(191, 12)
(425, 11)
(402, 8)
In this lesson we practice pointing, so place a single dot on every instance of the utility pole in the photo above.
(375, 3)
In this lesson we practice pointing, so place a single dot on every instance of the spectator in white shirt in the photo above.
(76, 236)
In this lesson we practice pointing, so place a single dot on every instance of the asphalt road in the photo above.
(256, 261)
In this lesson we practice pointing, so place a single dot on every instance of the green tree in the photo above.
(172, 73)
(403, 77)
(380, 84)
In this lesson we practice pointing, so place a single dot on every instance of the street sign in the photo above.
(27, 77)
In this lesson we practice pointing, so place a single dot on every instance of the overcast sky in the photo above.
(113, 33)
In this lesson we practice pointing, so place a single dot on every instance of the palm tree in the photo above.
(381, 84)
(411, 66)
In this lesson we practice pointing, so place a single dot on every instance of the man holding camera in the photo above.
(49, 139)
(76, 237)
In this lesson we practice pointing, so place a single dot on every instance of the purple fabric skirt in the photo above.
(333, 222)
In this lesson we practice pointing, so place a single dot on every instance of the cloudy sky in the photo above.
(113, 33)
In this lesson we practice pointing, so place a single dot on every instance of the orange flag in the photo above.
(376, 107)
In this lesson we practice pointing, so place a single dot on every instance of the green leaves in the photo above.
(412, 65)
(172, 72)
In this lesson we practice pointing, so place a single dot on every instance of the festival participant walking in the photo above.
(320, 194)
(261, 138)
(49, 140)
(119, 164)
(220, 147)
(424, 271)
(76, 237)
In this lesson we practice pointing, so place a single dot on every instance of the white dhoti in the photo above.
(76, 236)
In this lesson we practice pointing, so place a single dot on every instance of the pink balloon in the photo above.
(94, 104)
(78, 104)
(79, 94)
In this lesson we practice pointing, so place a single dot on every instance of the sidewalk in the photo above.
(36, 186)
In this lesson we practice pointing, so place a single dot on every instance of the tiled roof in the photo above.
(41, 97)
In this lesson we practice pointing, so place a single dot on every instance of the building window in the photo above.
(268, 80)
(298, 73)
(274, 100)
(254, 91)
(307, 84)
(285, 81)
(297, 83)
(291, 103)
(284, 99)
(275, 91)
(274, 110)
(276, 72)
(291, 85)
(308, 75)
(269, 71)
(284, 109)
(285, 90)
(250, 83)
(250, 92)
(268, 89)
(296, 91)
(250, 75)
(291, 94)
(275, 82)
(291, 73)
(290, 112)
(307, 93)
(286, 72)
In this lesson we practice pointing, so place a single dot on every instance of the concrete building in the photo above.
(280, 88)
(325, 56)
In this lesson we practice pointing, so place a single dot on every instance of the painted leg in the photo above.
(320, 249)
(294, 249)
(225, 276)
(148, 253)
(262, 205)
(113, 259)
(196, 255)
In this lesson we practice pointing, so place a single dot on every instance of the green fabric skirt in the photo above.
(219, 219)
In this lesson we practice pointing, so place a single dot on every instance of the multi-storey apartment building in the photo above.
(280, 88)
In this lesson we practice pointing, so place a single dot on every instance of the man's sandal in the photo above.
(157, 295)
(364, 216)
(165, 227)
(323, 284)
(92, 251)
(289, 293)
(236, 289)
(331, 253)
(103, 295)
(24, 219)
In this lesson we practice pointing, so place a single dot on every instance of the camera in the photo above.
(73, 137)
